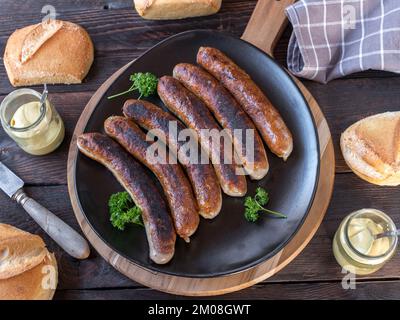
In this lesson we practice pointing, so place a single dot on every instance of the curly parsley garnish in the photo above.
(123, 210)
(145, 83)
(255, 205)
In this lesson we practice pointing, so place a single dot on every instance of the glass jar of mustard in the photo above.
(355, 246)
(37, 129)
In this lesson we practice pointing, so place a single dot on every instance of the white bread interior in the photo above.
(176, 9)
(38, 283)
(19, 251)
(371, 148)
(27, 269)
(49, 52)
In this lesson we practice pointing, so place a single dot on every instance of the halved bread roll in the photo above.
(27, 270)
(38, 283)
(371, 148)
(19, 251)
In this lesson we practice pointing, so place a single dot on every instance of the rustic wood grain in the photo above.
(387, 290)
(342, 101)
(315, 263)
(350, 100)
(120, 36)
(269, 19)
(49, 169)
(240, 280)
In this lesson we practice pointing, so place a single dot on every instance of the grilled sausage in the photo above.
(158, 224)
(192, 111)
(202, 176)
(254, 102)
(230, 116)
(173, 180)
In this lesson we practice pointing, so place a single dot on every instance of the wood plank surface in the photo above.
(120, 36)
(291, 291)
(315, 263)
(342, 101)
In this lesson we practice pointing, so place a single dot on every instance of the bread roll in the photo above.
(371, 148)
(38, 283)
(176, 9)
(27, 269)
(48, 52)
(19, 251)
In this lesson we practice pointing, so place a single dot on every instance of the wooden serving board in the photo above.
(263, 30)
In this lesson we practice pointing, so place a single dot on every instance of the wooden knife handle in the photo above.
(66, 237)
(267, 23)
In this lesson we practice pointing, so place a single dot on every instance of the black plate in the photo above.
(228, 243)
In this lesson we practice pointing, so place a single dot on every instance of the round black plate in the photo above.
(228, 243)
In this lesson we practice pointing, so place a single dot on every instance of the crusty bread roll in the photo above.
(371, 148)
(27, 269)
(48, 52)
(176, 9)
(19, 251)
(38, 283)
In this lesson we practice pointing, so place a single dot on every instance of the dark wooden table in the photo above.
(120, 36)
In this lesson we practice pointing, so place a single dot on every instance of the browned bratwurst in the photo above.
(192, 111)
(176, 186)
(230, 116)
(266, 118)
(202, 176)
(158, 224)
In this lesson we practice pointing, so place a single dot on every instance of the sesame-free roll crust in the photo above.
(28, 271)
(176, 9)
(48, 52)
(371, 148)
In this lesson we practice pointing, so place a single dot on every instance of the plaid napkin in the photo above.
(333, 38)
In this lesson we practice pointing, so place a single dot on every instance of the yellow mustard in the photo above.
(355, 247)
(37, 130)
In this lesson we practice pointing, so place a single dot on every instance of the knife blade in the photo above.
(10, 183)
(66, 237)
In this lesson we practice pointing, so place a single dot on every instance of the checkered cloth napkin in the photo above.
(333, 38)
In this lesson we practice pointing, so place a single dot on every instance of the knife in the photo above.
(66, 237)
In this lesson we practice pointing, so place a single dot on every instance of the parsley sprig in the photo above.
(255, 205)
(145, 83)
(123, 211)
